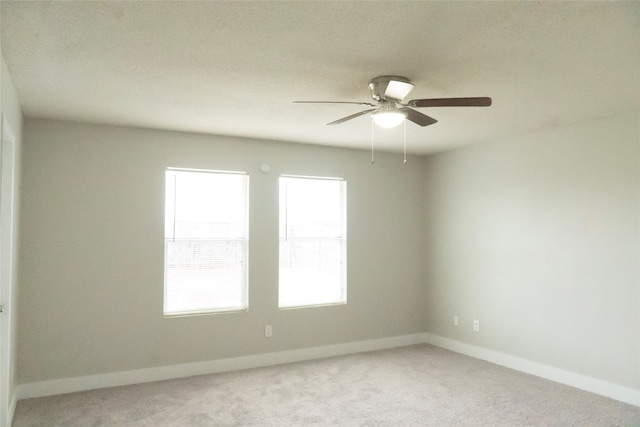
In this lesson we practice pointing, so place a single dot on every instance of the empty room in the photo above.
(278, 213)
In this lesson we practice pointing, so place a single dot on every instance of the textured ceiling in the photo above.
(234, 68)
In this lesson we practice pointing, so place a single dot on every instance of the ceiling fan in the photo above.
(388, 109)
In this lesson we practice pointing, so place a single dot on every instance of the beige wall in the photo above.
(92, 254)
(538, 238)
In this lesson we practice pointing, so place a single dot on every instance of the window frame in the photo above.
(342, 238)
(244, 285)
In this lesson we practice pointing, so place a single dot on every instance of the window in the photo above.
(312, 241)
(206, 240)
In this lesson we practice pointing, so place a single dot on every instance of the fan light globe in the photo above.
(388, 119)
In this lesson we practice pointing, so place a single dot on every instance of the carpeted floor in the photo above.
(410, 386)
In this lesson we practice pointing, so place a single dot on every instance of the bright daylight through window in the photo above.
(312, 241)
(206, 240)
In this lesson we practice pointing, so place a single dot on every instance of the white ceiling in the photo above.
(234, 68)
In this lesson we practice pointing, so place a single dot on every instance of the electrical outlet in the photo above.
(268, 331)
(476, 325)
(456, 321)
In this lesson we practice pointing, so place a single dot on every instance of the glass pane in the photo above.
(313, 207)
(201, 275)
(205, 205)
(311, 272)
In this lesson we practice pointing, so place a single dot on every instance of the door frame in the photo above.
(7, 255)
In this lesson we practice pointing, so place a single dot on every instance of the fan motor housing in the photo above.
(380, 88)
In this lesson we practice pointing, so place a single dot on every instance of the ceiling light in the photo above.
(388, 118)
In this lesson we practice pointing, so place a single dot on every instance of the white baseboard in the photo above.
(583, 382)
(71, 385)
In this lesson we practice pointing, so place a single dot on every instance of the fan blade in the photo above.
(418, 118)
(451, 102)
(353, 116)
(334, 102)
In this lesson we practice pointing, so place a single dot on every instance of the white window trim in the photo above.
(343, 238)
(245, 286)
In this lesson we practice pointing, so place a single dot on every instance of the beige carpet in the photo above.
(410, 386)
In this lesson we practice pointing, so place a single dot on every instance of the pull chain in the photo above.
(404, 142)
(404, 123)
(372, 158)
